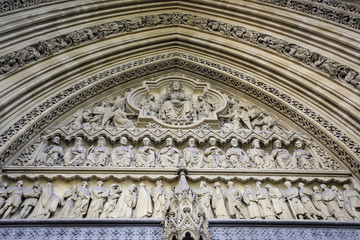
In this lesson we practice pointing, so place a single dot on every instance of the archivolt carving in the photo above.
(11, 5)
(15, 60)
(243, 86)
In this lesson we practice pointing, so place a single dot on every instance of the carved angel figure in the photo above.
(237, 157)
(31, 198)
(232, 199)
(13, 201)
(47, 204)
(160, 199)
(144, 208)
(250, 200)
(204, 195)
(218, 203)
(68, 202)
(122, 156)
(98, 155)
(98, 198)
(214, 156)
(76, 155)
(169, 155)
(192, 155)
(126, 203)
(146, 156)
(113, 194)
(282, 157)
(52, 155)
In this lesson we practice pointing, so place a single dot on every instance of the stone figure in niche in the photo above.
(305, 197)
(113, 194)
(204, 107)
(169, 155)
(144, 208)
(122, 156)
(218, 203)
(262, 198)
(160, 199)
(177, 108)
(351, 202)
(192, 155)
(98, 198)
(238, 117)
(98, 155)
(31, 198)
(13, 201)
(292, 195)
(214, 156)
(146, 156)
(47, 204)
(303, 156)
(126, 203)
(320, 204)
(3, 193)
(82, 202)
(76, 155)
(330, 199)
(68, 202)
(237, 157)
(258, 156)
(250, 200)
(204, 195)
(150, 107)
(283, 159)
(232, 199)
(279, 202)
(53, 154)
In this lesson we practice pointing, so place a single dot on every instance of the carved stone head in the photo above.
(234, 142)
(287, 184)
(100, 183)
(101, 142)
(255, 143)
(323, 186)
(212, 141)
(169, 142)
(301, 185)
(20, 183)
(230, 184)
(123, 141)
(146, 141)
(277, 144)
(56, 140)
(192, 142)
(346, 187)
(78, 141)
(299, 144)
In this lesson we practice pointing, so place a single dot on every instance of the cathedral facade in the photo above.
(175, 120)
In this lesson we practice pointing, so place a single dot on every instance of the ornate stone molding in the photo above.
(331, 10)
(43, 49)
(12, 5)
(90, 87)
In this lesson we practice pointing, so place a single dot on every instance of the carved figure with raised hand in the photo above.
(214, 156)
(283, 159)
(278, 202)
(146, 156)
(262, 198)
(177, 108)
(82, 202)
(76, 155)
(303, 156)
(122, 156)
(237, 157)
(257, 155)
(47, 204)
(232, 199)
(98, 198)
(218, 203)
(68, 202)
(292, 195)
(169, 155)
(3, 193)
(31, 198)
(113, 194)
(305, 197)
(351, 202)
(320, 204)
(160, 199)
(204, 195)
(192, 155)
(144, 207)
(126, 203)
(52, 155)
(13, 201)
(204, 107)
(250, 200)
(329, 198)
(98, 155)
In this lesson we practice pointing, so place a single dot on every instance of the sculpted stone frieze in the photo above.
(11, 5)
(244, 86)
(15, 60)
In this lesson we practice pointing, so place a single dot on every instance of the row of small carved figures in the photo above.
(133, 202)
(170, 156)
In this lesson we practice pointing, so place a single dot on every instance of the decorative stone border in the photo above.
(44, 49)
(12, 5)
(86, 89)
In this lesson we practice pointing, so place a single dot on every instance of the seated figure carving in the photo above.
(192, 155)
(169, 155)
(122, 156)
(237, 157)
(282, 157)
(76, 155)
(214, 156)
(146, 156)
(98, 155)
(258, 156)
(52, 155)
(303, 156)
